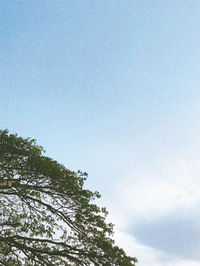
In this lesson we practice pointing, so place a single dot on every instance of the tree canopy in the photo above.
(47, 217)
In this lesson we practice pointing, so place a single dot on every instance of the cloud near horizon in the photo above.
(160, 208)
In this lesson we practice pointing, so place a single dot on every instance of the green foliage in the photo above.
(46, 216)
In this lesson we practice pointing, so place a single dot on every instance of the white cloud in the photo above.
(152, 193)
(172, 184)
(146, 255)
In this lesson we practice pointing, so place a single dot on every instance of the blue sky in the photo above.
(112, 88)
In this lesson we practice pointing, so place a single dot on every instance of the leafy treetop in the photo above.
(46, 216)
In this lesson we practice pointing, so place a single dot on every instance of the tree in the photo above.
(46, 216)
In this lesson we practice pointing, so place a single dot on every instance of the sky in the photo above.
(113, 88)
